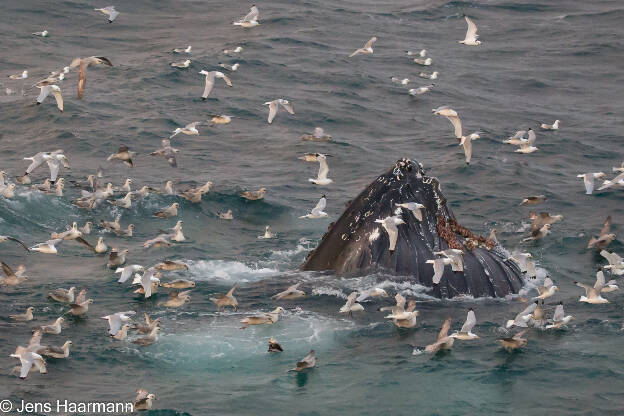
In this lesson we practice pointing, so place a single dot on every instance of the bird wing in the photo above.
(288, 106)
(323, 169)
(272, 111)
(141, 394)
(471, 321)
(86, 243)
(59, 99)
(112, 14)
(227, 80)
(54, 166)
(43, 93)
(456, 122)
(548, 282)
(82, 80)
(36, 338)
(527, 311)
(606, 227)
(467, 148)
(600, 281)
(252, 15)
(471, 33)
(369, 44)
(559, 314)
(231, 291)
(209, 84)
(114, 323)
(320, 206)
(438, 270)
(589, 183)
(6, 269)
(445, 328)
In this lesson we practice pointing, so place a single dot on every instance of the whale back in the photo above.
(356, 245)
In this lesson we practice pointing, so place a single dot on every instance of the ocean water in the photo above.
(539, 61)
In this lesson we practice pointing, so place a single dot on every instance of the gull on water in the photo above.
(210, 80)
(554, 126)
(546, 290)
(351, 305)
(539, 220)
(189, 130)
(168, 152)
(227, 299)
(367, 49)
(110, 12)
(225, 215)
(292, 292)
(170, 265)
(149, 325)
(422, 53)
(267, 233)
(54, 328)
(122, 333)
(398, 80)
(183, 50)
(111, 226)
(27, 360)
(515, 342)
(465, 333)
(57, 352)
(123, 155)
(42, 34)
(539, 233)
(83, 64)
(265, 318)
(177, 299)
(390, 225)
(423, 62)
(253, 195)
(143, 400)
(181, 64)
(128, 232)
(592, 293)
(220, 119)
(170, 211)
(273, 106)
(471, 34)
(151, 338)
(12, 278)
(522, 318)
(125, 202)
(421, 90)
(63, 295)
(533, 200)
(230, 67)
(23, 75)
(308, 361)
(433, 75)
(444, 341)
(274, 346)
(559, 318)
(605, 238)
(238, 49)
(517, 138)
(161, 240)
(179, 284)
(8, 191)
(589, 178)
(317, 211)
(24, 317)
(116, 257)
(321, 178)
(250, 19)
(116, 320)
(80, 308)
(317, 136)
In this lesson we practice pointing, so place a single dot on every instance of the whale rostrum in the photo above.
(405, 208)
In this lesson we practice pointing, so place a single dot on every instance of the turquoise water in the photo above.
(539, 61)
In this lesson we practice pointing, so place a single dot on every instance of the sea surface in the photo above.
(539, 61)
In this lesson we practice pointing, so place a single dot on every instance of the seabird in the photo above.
(616, 263)
(422, 53)
(265, 318)
(273, 106)
(42, 34)
(55, 90)
(226, 215)
(254, 195)
(83, 64)
(618, 180)
(170, 211)
(183, 50)
(444, 341)
(24, 317)
(371, 293)
(58, 352)
(605, 238)
(423, 62)
(81, 308)
(539, 220)
(143, 400)
(539, 233)
(250, 19)
(533, 200)
(177, 299)
(116, 257)
(465, 333)
(515, 342)
(123, 155)
(161, 240)
(559, 318)
(49, 247)
(170, 266)
(420, 90)
(390, 225)
(13, 278)
(181, 64)
(318, 210)
(151, 338)
(274, 346)
(407, 318)
(210, 79)
(451, 116)
(414, 207)
(546, 290)
(189, 130)
(592, 293)
(230, 67)
(27, 359)
(63, 295)
(292, 292)
(517, 138)
(179, 284)
(317, 136)
(122, 333)
(308, 361)
(23, 75)
(398, 80)
(588, 179)
(321, 178)
(128, 271)
(149, 325)
(433, 75)
(471, 34)
(54, 328)
(228, 299)
(522, 318)
(168, 152)
(220, 119)
(351, 305)
(116, 320)
(554, 126)
(110, 12)
(267, 233)
(5, 238)
(367, 49)
(125, 202)
(238, 49)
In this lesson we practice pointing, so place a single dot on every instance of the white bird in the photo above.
(618, 180)
(414, 207)
(189, 130)
(420, 90)
(444, 341)
(592, 293)
(321, 178)
(407, 318)
(517, 138)
(55, 90)
(110, 12)
(27, 359)
(466, 142)
(554, 126)
(181, 64)
(238, 49)
(49, 247)
(522, 319)
(456, 257)
(267, 233)
(465, 333)
(126, 272)
(317, 211)
(471, 34)
(367, 49)
(250, 19)
(273, 105)
(422, 53)
(146, 281)
(83, 64)
(351, 305)
(616, 263)
(423, 62)
(390, 225)
(230, 67)
(23, 75)
(547, 290)
(116, 320)
(183, 50)
(433, 75)
(559, 318)
(438, 268)
(526, 147)
(210, 79)
(370, 293)
(398, 80)
(451, 115)
(42, 34)
(318, 135)
(588, 180)
(292, 292)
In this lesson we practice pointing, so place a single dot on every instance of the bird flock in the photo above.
(146, 280)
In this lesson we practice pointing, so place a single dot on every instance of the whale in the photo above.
(358, 244)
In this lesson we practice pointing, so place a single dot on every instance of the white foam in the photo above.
(232, 271)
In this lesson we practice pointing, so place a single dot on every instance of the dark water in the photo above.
(539, 61)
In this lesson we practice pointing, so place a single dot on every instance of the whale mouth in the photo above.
(358, 243)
